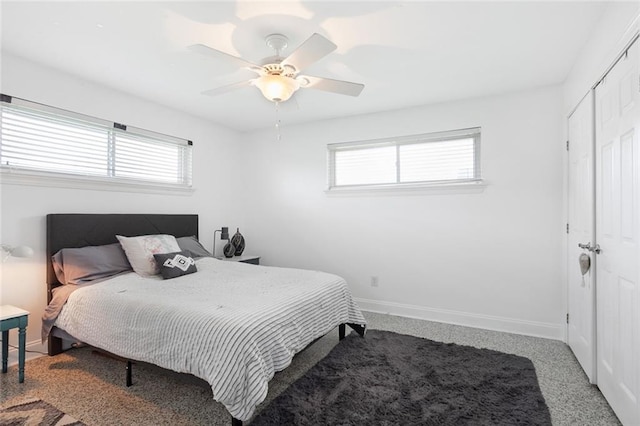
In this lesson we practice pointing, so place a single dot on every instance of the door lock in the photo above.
(595, 248)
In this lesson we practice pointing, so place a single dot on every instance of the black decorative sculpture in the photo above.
(238, 242)
(229, 249)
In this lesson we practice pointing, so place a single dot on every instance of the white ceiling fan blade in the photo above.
(329, 85)
(218, 54)
(224, 89)
(313, 49)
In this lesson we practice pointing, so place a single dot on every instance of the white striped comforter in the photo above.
(231, 324)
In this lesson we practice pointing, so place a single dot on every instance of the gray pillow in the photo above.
(193, 246)
(176, 264)
(85, 264)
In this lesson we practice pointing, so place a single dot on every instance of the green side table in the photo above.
(12, 317)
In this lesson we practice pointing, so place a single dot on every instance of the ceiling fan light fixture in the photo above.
(278, 78)
(276, 88)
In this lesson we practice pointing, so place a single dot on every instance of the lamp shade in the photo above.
(22, 251)
(18, 251)
(276, 88)
(224, 233)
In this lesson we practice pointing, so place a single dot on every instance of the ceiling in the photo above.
(406, 53)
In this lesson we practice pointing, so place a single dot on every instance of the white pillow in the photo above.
(140, 251)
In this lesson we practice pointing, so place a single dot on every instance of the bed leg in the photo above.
(360, 329)
(235, 422)
(54, 345)
(129, 368)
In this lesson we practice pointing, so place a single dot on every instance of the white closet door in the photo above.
(581, 227)
(618, 233)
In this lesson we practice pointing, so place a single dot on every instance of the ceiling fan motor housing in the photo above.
(277, 69)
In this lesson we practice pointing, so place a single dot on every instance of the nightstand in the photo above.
(245, 258)
(12, 317)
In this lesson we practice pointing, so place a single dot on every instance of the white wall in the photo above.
(489, 259)
(23, 208)
(619, 22)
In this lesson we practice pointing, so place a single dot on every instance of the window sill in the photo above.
(475, 187)
(12, 177)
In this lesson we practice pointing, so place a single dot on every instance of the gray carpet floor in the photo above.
(90, 387)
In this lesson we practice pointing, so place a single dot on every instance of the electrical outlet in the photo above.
(374, 281)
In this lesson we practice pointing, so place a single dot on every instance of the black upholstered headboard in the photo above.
(80, 230)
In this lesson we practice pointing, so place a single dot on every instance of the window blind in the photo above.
(39, 139)
(431, 159)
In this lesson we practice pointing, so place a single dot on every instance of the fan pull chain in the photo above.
(278, 135)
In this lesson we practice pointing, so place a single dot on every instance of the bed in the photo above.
(231, 324)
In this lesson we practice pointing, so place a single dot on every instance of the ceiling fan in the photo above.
(278, 77)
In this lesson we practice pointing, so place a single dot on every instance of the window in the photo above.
(410, 161)
(38, 140)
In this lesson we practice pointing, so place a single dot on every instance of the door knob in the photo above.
(589, 247)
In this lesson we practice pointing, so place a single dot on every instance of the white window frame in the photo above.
(15, 174)
(470, 133)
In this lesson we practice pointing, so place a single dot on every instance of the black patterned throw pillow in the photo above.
(175, 264)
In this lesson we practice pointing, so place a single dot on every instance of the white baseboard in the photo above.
(35, 346)
(487, 322)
